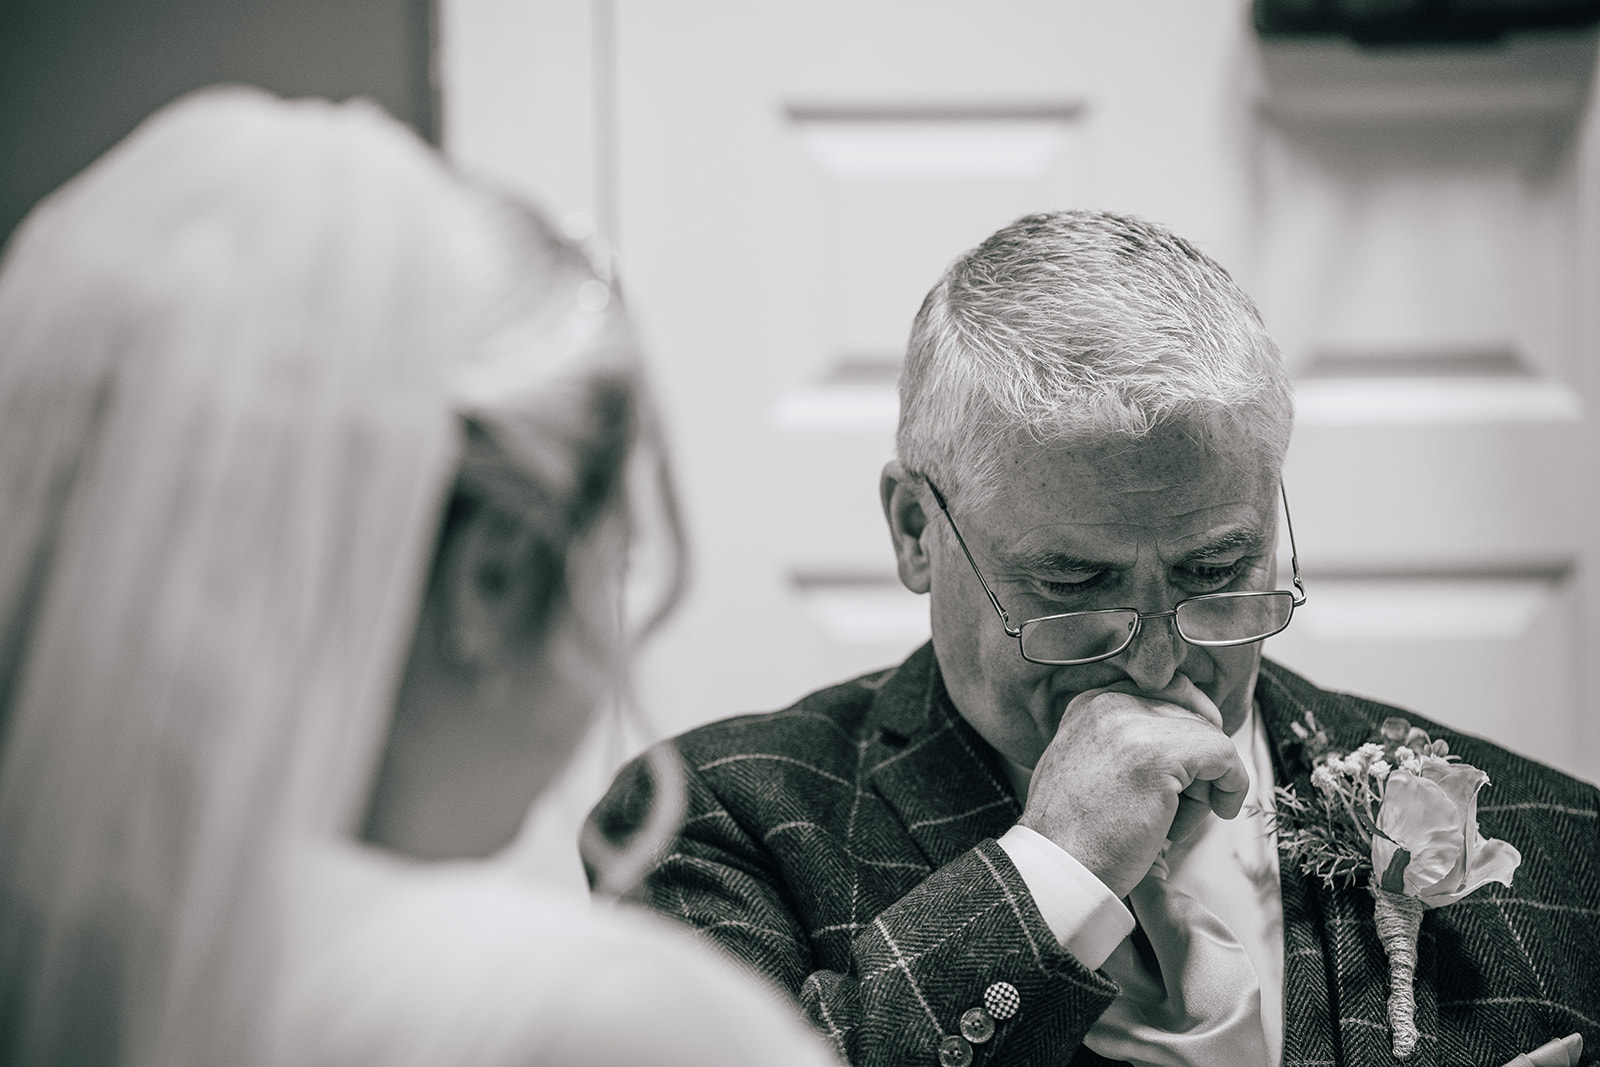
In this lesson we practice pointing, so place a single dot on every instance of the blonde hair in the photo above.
(1079, 324)
(247, 360)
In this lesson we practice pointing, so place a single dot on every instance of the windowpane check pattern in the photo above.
(1211, 619)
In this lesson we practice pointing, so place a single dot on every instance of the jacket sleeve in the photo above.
(967, 932)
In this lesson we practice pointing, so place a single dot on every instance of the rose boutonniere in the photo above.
(1403, 813)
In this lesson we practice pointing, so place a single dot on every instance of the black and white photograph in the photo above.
(743, 532)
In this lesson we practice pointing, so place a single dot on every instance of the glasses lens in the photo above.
(1237, 617)
(1082, 636)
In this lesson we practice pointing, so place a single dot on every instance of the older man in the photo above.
(1030, 842)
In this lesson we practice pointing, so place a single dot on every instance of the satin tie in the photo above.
(1190, 997)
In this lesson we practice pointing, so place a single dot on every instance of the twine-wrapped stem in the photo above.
(1399, 918)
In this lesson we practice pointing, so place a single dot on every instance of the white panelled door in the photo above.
(788, 179)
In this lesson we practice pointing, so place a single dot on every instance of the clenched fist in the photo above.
(1129, 770)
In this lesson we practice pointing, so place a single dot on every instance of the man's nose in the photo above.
(1155, 654)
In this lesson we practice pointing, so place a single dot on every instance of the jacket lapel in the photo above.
(1336, 974)
(932, 769)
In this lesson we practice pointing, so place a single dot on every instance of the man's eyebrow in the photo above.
(1059, 561)
(1243, 538)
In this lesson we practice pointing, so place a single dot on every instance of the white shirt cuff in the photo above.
(1086, 917)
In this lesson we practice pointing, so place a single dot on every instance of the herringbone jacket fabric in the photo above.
(844, 847)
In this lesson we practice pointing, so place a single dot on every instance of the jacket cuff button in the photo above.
(954, 1052)
(977, 1025)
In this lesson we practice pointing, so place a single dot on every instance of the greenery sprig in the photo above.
(1329, 836)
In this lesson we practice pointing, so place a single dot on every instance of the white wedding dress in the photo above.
(399, 964)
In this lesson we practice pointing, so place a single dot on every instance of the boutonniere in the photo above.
(1403, 813)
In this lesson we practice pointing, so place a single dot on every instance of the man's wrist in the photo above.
(1085, 916)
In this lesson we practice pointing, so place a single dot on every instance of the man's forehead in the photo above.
(1185, 491)
(1168, 470)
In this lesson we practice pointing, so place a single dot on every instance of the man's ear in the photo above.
(488, 588)
(902, 506)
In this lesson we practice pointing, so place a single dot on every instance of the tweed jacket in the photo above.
(844, 847)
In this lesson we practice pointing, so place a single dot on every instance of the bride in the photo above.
(318, 468)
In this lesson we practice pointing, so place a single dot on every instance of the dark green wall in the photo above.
(76, 75)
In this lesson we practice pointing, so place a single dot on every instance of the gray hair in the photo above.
(1080, 324)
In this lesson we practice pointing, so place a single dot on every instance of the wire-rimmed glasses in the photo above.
(1213, 620)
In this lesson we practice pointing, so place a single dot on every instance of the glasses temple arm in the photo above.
(1294, 554)
(1005, 619)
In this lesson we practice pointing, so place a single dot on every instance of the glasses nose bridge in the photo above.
(1138, 625)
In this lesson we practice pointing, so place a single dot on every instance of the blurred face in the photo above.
(1189, 509)
(559, 670)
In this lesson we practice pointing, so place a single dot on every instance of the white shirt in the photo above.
(1230, 866)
